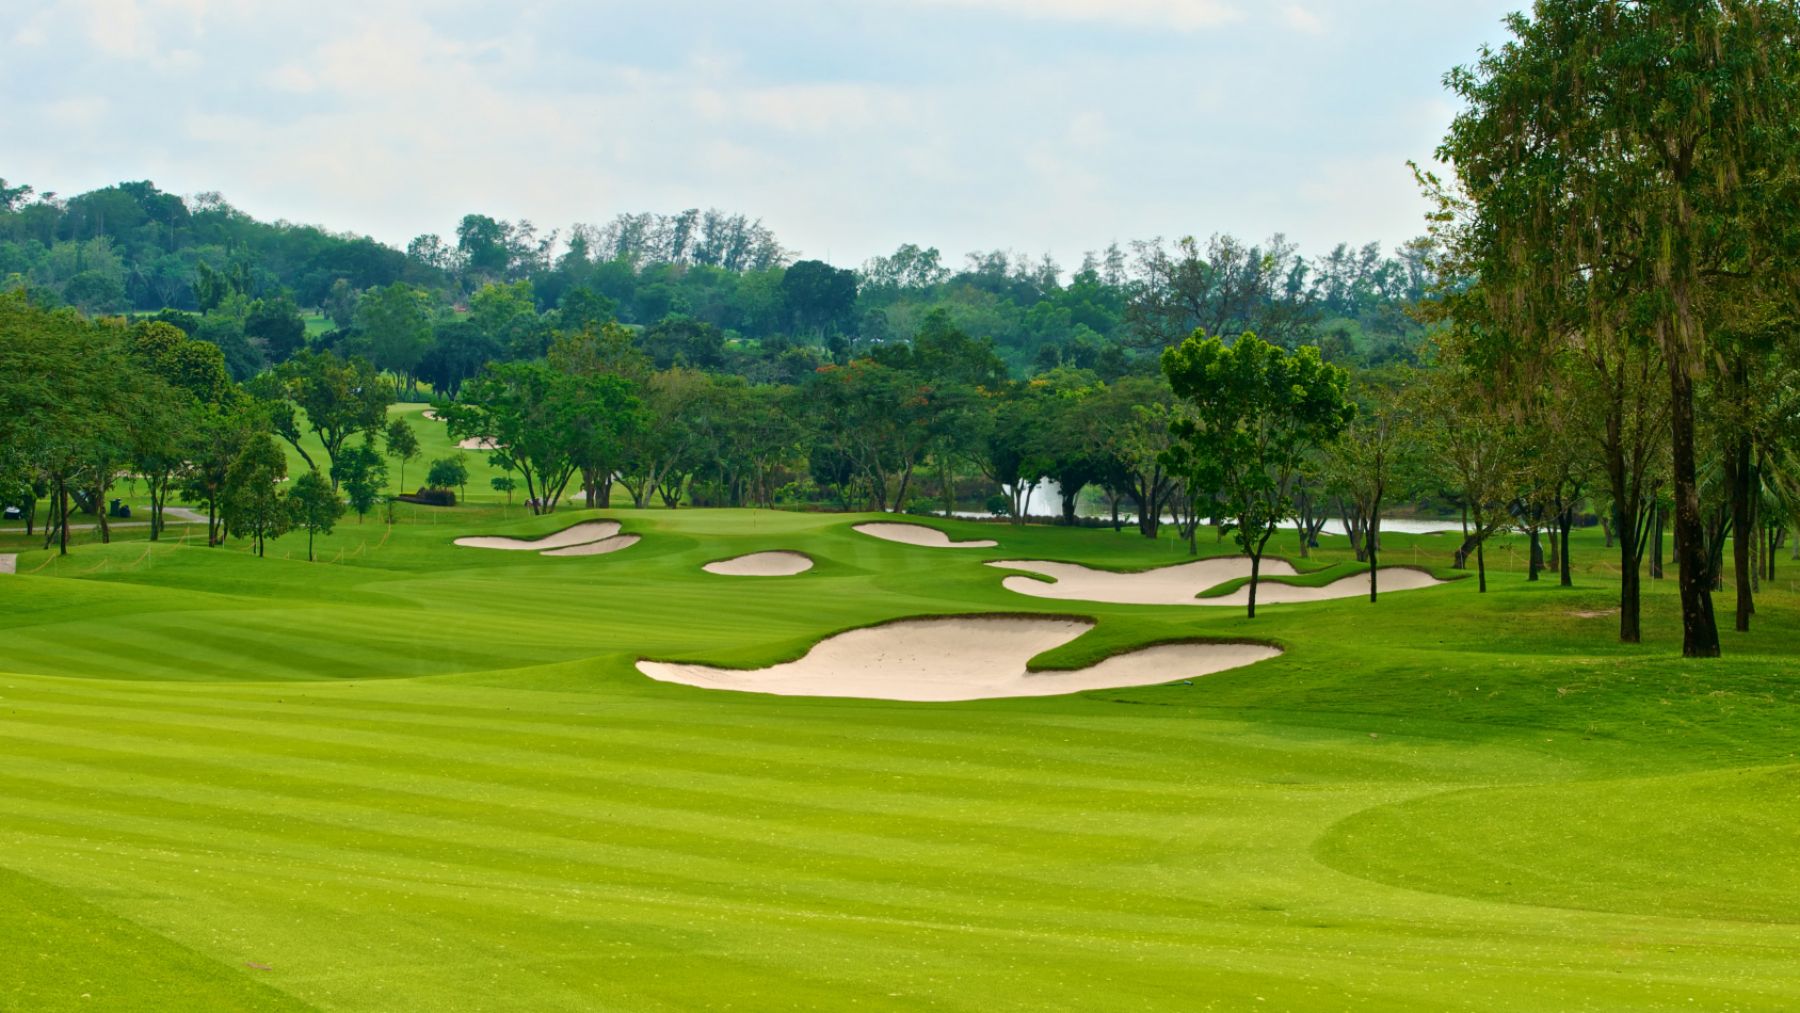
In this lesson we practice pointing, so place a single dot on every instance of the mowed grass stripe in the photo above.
(996, 829)
(1398, 971)
(1106, 782)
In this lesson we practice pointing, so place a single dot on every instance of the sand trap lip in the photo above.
(918, 534)
(959, 658)
(599, 548)
(778, 563)
(1393, 578)
(478, 443)
(1167, 585)
(579, 534)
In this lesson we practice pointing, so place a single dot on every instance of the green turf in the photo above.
(425, 777)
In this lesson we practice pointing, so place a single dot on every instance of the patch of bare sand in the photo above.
(961, 658)
(918, 534)
(1393, 578)
(478, 443)
(1167, 585)
(599, 548)
(579, 534)
(780, 563)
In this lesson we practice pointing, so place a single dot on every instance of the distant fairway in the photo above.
(427, 777)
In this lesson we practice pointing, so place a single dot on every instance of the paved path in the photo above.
(171, 515)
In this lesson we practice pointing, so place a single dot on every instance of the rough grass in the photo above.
(426, 777)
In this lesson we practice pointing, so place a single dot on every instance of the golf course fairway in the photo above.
(417, 776)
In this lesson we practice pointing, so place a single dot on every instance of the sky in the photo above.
(848, 127)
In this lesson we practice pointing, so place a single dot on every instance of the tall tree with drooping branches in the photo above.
(1632, 167)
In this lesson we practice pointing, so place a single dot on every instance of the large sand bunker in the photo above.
(599, 548)
(1179, 585)
(1393, 578)
(963, 658)
(580, 534)
(762, 564)
(918, 534)
(1168, 585)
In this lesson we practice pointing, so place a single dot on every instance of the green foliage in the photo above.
(1252, 414)
(401, 442)
(447, 473)
(254, 507)
(359, 471)
(333, 398)
(314, 505)
(393, 327)
(275, 324)
(546, 423)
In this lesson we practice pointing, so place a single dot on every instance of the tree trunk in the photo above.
(1255, 571)
(1741, 477)
(1373, 548)
(1354, 527)
(1699, 629)
(1563, 526)
(62, 514)
(1656, 544)
(1535, 560)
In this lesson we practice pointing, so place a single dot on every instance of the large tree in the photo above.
(393, 327)
(313, 505)
(1645, 155)
(1254, 412)
(543, 422)
(1377, 459)
(337, 398)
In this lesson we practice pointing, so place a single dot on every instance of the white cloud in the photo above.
(85, 112)
(117, 27)
(1026, 124)
(1302, 20)
(1183, 15)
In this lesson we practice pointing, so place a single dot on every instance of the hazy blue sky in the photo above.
(849, 127)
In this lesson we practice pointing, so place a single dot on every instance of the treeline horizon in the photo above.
(710, 278)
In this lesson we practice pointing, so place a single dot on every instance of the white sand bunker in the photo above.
(1393, 578)
(585, 533)
(965, 658)
(1178, 585)
(918, 534)
(1168, 585)
(599, 548)
(478, 443)
(762, 564)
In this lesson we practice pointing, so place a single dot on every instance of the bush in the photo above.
(431, 497)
